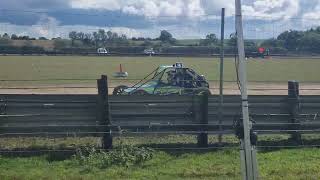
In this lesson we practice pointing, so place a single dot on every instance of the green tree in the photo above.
(166, 37)
(96, 38)
(310, 42)
(210, 40)
(14, 37)
(291, 39)
(5, 36)
(60, 43)
(43, 38)
(88, 38)
(73, 37)
(80, 36)
(232, 40)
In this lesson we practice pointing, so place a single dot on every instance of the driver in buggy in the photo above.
(180, 78)
(171, 78)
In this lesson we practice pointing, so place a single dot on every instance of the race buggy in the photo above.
(167, 80)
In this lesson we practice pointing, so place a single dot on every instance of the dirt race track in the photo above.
(229, 88)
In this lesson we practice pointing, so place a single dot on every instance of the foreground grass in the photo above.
(274, 163)
(224, 164)
(48, 67)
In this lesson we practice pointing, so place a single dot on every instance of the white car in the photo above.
(149, 51)
(102, 51)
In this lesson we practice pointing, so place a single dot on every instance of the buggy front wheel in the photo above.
(119, 90)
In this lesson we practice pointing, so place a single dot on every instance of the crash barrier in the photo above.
(105, 116)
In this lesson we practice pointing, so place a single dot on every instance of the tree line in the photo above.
(294, 41)
(291, 41)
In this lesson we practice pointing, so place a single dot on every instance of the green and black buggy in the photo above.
(167, 80)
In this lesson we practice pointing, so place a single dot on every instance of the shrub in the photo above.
(90, 157)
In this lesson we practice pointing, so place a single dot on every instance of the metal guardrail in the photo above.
(104, 115)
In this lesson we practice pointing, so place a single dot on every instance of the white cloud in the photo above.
(311, 18)
(153, 8)
(314, 14)
(272, 9)
(96, 4)
(276, 9)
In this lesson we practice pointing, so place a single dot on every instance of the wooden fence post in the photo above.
(104, 111)
(294, 109)
(201, 116)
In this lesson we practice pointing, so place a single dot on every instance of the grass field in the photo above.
(224, 164)
(213, 164)
(48, 67)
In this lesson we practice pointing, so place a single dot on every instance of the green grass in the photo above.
(224, 164)
(48, 67)
(185, 164)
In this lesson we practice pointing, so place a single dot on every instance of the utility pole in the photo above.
(247, 151)
(220, 115)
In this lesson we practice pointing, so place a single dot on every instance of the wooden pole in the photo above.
(201, 116)
(294, 109)
(104, 111)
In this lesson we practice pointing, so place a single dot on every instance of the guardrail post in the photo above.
(294, 109)
(201, 116)
(104, 111)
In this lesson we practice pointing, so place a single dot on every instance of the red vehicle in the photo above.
(261, 53)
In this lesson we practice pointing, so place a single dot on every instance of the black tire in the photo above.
(119, 90)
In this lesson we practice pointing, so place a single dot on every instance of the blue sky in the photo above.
(185, 19)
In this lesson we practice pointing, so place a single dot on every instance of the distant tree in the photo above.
(24, 38)
(73, 37)
(165, 36)
(60, 43)
(210, 40)
(88, 38)
(5, 36)
(14, 37)
(310, 42)
(43, 38)
(271, 43)
(96, 38)
(80, 36)
(291, 39)
(102, 36)
(232, 40)
(110, 35)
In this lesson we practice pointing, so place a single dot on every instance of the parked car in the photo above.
(149, 51)
(102, 51)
